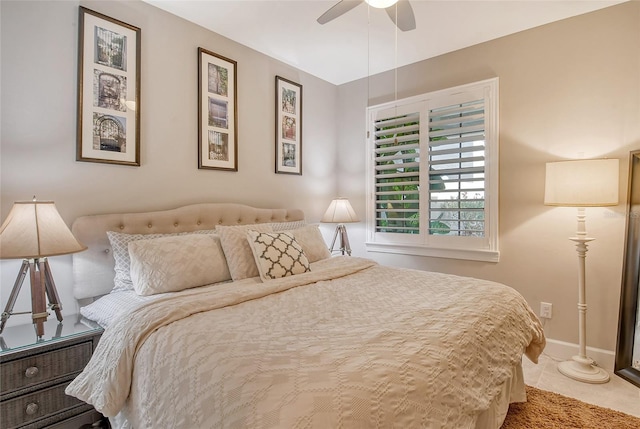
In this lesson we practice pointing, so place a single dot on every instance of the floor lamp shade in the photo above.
(582, 183)
(340, 212)
(32, 231)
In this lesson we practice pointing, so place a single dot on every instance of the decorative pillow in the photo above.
(171, 264)
(312, 242)
(237, 250)
(277, 254)
(120, 249)
(288, 226)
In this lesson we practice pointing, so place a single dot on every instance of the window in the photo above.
(433, 174)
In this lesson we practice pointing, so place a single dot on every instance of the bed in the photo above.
(238, 317)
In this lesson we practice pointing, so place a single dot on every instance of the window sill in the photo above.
(466, 254)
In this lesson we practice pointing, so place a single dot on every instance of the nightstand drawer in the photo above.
(28, 408)
(47, 366)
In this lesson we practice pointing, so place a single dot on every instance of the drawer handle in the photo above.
(31, 372)
(31, 409)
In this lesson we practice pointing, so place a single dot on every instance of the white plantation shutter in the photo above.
(457, 168)
(433, 174)
(397, 174)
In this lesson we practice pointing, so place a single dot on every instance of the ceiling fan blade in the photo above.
(338, 9)
(406, 20)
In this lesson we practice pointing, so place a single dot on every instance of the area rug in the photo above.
(548, 410)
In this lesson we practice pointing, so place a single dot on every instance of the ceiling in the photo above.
(363, 41)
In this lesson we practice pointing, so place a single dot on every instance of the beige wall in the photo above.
(570, 89)
(38, 86)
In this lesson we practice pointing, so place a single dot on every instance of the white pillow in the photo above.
(110, 306)
(171, 264)
(277, 254)
(312, 242)
(241, 263)
(120, 250)
(288, 226)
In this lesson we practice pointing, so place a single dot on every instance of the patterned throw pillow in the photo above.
(277, 254)
(241, 263)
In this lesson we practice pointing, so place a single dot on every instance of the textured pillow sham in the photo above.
(287, 226)
(236, 249)
(277, 254)
(171, 264)
(120, 250)
(310, 239)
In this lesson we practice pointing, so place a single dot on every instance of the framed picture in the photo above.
(108, 90)
(288, 126)
(217, 112)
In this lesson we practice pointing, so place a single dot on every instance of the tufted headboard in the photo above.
(93, 269)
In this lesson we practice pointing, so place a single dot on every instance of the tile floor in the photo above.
(617, 394)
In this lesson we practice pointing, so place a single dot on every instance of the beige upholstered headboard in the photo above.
(93, 269)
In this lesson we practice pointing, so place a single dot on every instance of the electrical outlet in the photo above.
(546, 310)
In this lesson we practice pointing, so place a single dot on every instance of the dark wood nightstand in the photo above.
(34, 374)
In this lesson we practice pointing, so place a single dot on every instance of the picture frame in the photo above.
(288, 141)
(108, 116)
(217, 112)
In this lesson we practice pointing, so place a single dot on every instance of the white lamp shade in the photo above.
(381, 4)
(340, 211)
(34, 229)
(582, 183)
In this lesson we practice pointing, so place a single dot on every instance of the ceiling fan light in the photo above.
(381, 4)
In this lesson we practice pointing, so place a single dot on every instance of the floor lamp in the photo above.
(340, 212)
(32, 231)
(582, 183)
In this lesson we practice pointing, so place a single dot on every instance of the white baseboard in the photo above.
(562, 350)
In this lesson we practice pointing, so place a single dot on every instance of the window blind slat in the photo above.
(413, 192)
(466, 149)
(446, 171)
(385, 158)
(479, 137)
(408, 129)
(456, 131)
(458, 160)
(395, 175)
(404, 165)
(389, 149)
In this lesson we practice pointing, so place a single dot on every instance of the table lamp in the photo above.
(340, 212)
(32, 231)
(583, 183)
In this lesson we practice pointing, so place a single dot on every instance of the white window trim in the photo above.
(442, 247)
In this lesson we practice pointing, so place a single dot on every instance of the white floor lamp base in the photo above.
(582, 369)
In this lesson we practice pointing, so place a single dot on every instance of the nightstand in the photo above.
(34, 374)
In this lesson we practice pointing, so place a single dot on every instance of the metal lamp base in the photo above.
(341, 231)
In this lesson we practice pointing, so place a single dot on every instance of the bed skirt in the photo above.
(513, 390)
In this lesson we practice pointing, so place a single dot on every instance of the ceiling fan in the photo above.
(405, 21)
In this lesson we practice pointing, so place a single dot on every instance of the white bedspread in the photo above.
(350, 344)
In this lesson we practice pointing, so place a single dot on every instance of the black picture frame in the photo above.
(217, 112)
(108, 116)
(288, 127)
